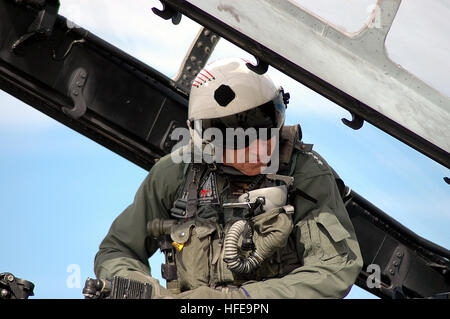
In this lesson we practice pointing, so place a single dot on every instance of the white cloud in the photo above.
(135, 29)
(16, 115)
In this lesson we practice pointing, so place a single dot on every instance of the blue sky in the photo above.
(60, 191)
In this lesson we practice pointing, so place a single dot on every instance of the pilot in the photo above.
(253, 216)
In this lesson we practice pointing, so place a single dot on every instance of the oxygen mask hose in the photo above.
(271, 232)
(232, 258)
(269, 223)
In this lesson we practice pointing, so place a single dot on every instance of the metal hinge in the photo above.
(75, 90)
(41, 28)
(396, 271)
(195, 60)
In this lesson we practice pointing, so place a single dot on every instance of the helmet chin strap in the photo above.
(191, 130)
(198, 142)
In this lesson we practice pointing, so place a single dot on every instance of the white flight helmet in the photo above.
(227, 94)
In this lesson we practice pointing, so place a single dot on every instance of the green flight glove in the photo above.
(132, 269)
(205, 292)
(158, 291)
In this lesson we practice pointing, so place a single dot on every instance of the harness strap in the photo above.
(195, 173)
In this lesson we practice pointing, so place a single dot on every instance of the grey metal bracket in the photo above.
(76, 86)
(168, 13)
(396, 271)
(40, 29)
(260, 68)
(195, 59)
(356, 123)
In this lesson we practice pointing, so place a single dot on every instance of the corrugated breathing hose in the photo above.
(232, 258)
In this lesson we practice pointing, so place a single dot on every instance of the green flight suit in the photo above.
(323, 237)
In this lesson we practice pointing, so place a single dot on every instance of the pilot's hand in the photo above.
(158, 291)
